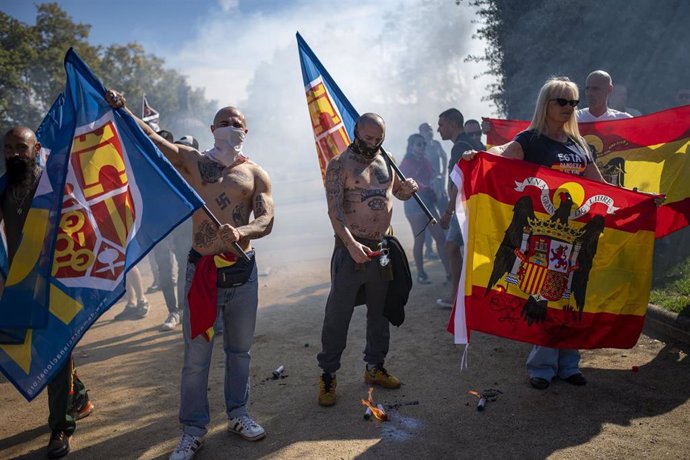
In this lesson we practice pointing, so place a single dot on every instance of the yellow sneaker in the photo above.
(380, 376)
(327, 386)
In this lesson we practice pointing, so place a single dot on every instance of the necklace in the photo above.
(19, 203)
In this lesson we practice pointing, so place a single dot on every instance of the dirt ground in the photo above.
(132, 371)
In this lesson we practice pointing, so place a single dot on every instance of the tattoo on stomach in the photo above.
(380, 192)
(222, 200)
(205, 234)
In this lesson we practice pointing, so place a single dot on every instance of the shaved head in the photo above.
(600, 76)
(371, 119)
(22, 132)
(227, 113)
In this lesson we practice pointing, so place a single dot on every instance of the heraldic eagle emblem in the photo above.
(548, 259)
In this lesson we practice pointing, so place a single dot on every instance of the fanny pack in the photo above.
(234, 275)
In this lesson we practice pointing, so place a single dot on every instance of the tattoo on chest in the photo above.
(366, 194)
(210, 171)
(377, 204)
(381, 175)
(222, 200)
(205, 234)
(238, 215)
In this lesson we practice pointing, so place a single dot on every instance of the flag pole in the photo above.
(415, 195)
(234, 243)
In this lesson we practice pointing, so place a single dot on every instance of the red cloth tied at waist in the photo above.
(203, 293)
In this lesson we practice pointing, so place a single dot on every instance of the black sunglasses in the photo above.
(563, 102)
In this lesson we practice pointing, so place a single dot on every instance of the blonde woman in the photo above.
(553, 140)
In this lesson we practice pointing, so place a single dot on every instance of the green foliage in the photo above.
(639, 42)
(32, 73)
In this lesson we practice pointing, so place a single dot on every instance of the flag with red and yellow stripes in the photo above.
(649, 152)
(551, 258)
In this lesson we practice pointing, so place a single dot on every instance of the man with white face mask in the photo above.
(234, 188)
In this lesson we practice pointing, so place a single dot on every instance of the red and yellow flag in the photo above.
(648, 152)
(551, 258)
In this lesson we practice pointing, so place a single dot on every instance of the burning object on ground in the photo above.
(375, 409)
(485, 396)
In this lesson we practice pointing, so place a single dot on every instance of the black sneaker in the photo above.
(539, 383)
(58, 446)
(127, 313)
(141, 310)
(153, 288)
(576, 379)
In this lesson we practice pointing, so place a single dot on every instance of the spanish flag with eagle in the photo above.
(551, 258)
(649, 153)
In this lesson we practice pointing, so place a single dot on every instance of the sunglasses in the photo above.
(475, 134)
(563, 102)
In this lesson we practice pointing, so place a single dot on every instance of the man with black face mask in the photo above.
(68, 400)
(360, 186)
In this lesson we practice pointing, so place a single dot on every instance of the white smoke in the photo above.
(404, 59)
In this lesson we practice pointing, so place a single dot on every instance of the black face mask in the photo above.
(20, 170)
(361, 148)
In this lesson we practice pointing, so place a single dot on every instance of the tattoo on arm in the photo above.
(259, 206)
(334, 191)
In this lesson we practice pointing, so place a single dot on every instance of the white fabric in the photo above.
(228, 145)
(459, 321)
(585, 116)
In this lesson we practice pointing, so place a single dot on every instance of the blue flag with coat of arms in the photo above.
(105, 198)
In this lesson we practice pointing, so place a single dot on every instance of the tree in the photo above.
(639, 42)
(32, 73)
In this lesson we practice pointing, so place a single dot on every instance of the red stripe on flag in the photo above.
(501, 316)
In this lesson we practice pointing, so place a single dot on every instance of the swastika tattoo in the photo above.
(222, 200)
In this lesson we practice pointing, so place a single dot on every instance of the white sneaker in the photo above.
(187, 447)
(246, 427)
(171, 322)
(445, 303)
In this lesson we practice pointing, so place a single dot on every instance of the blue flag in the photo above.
(332, 116)
(105, 198)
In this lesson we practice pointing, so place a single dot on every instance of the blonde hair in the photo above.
(554, 88)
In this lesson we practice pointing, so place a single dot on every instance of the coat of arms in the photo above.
(548, 259)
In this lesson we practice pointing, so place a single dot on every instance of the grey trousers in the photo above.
(345, 283)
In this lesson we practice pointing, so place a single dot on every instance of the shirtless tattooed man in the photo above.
(234, 188)
(360, 186)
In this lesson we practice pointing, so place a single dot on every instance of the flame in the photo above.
(375, 411)
(472, 392)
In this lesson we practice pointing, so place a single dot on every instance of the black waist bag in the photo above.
(237, 274)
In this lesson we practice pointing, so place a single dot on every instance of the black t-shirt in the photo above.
(462, 143)
(567, 157)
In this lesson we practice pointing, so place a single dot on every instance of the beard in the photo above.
(20, 170)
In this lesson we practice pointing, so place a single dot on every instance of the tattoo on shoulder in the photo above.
(205, 234)
(210, 171)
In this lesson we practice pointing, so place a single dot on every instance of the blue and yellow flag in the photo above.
(97, 211)
(332, 116)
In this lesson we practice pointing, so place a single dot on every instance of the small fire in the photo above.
(475, 393)
(376, 411)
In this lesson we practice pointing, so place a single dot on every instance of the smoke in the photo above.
(402, 59)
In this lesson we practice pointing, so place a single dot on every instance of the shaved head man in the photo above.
(235, 189)
(598, 87)
(360, 186)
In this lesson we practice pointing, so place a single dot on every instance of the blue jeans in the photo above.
(238, 307)
(547, 363)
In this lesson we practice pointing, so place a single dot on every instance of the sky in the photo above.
(404, 59)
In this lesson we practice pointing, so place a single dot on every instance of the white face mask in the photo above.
(228, 143)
